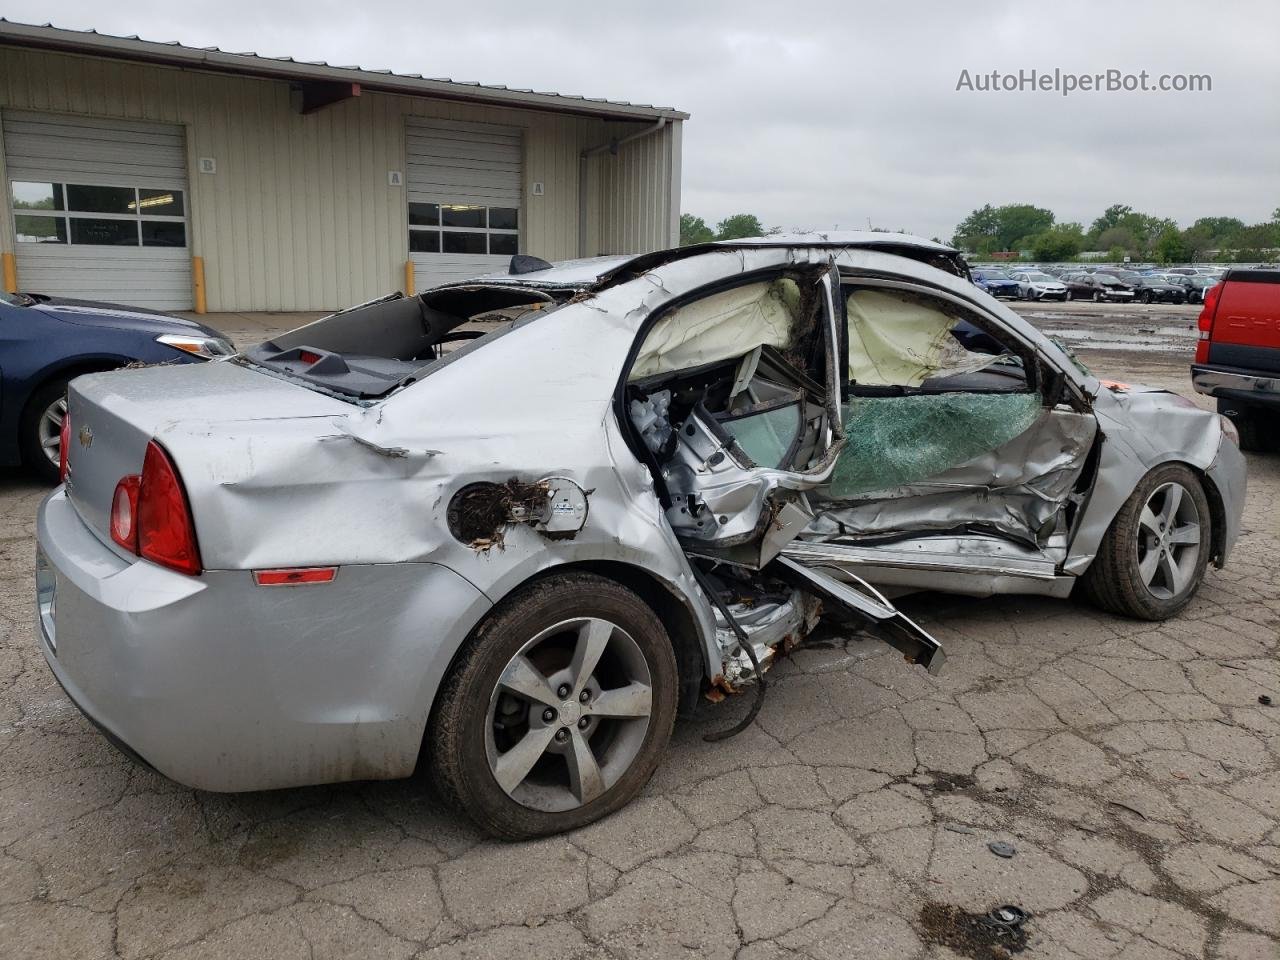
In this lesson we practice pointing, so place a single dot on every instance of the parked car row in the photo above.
(1111, 284)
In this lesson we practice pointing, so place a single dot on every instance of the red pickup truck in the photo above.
(1238, 354)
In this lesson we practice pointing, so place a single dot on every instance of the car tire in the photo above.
(1146, 296)
(1137, 573)
(1069, 296)
(1259, 432)
(1097, 296)
(546, 626)
(38, 436)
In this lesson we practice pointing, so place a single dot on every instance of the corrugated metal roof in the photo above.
(172, 53)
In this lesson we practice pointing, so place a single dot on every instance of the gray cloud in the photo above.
(813, 115)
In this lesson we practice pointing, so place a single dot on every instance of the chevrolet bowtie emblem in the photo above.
(86, 437)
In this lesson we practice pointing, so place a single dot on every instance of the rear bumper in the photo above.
(223, 685)
(1258, 389)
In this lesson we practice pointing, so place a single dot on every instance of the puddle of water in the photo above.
(1158, 340)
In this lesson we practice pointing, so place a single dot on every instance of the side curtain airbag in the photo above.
(724, 325)
(897, 340)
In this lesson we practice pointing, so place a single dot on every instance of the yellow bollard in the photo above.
(197, 283)
(410, 288)
(10, 272)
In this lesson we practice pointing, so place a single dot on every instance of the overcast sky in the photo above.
(818, 115)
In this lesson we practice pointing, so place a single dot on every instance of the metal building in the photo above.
(184, 178)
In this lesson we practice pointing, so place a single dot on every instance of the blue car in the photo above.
(996, 282)
(45, 342)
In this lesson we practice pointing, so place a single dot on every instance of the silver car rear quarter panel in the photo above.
(223, 685)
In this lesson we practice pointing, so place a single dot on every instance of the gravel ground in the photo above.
(1130, 765)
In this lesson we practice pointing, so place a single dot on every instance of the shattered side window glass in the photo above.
(894, 441)
(899, 339)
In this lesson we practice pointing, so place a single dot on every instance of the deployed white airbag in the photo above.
(724, 325)
(901, 341)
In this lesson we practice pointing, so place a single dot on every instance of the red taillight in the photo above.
(293, 575)
(64, 447)
(165, 531)
(1205, 322)
(124, 513)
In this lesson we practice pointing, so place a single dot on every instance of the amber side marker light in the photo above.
(294, 576)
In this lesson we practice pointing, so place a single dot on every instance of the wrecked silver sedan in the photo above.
(519, 553)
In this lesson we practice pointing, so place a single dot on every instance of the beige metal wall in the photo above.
(635, 194)
(299, 215)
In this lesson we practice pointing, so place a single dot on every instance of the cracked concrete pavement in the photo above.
(1130, 764)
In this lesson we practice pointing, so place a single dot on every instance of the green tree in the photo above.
(1217, 229)
(1019, 222)
(738, 226)
(989, 228)
(1199, 239)
(1111, 217)
(1116, 238)
(694, 230)
(977, 231)
(1060, 242)
(1170, 247)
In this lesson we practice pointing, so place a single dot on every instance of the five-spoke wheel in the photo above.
(557, 709)
(1168, 540)
(1152, 559)
(568, 714)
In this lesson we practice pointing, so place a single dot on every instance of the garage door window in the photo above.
(90, 215)
(463, 228)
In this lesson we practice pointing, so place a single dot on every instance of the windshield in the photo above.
(993, 275)
(1038, 276)
(1105, 278)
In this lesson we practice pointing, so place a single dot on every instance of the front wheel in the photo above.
(1146, 296)
(1152, 560)
(1097, 296)
(1069, 296)
(558, 709)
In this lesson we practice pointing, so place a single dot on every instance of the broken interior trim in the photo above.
(370, 350)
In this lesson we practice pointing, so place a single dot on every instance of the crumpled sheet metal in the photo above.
(895, 441)
(1141, 429)
(1033, 477)
(896, 340)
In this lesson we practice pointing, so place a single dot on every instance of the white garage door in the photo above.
(100, 208)
(463, 185)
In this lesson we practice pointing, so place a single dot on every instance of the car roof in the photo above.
(591, 272)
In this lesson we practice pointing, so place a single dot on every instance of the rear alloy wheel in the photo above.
(1152, 560)
(1097, 296)
(41, 430)
(1069, 296)
(557, 711)
(1146, 296)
